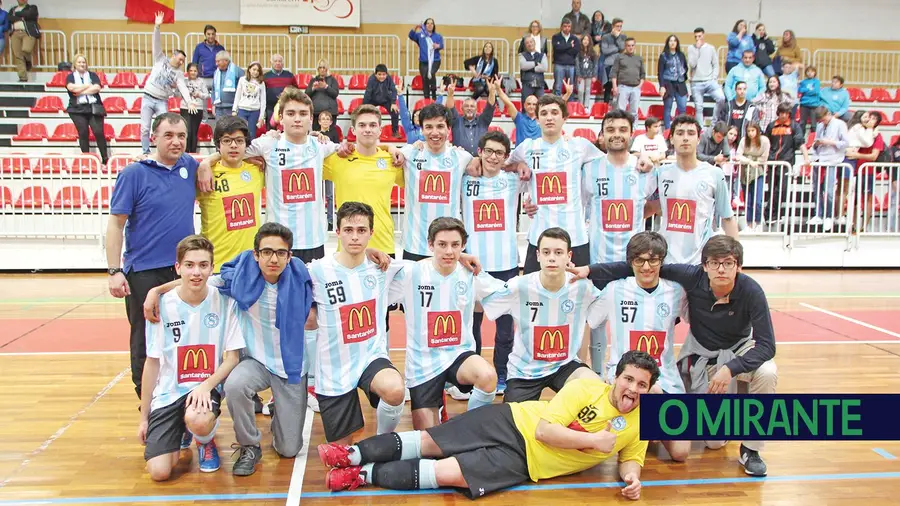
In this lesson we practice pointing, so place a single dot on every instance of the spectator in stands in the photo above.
(627, 77)
(752, 154)
(165, 77)
(745, 72)
(671, 69)
(468, 129)
(739, 110)
(585, 70)
(430, 45)
(790, 81)
(25, 32)
(565, 49)
(4, 27)
(652, 143)
(225, 82)
(484, 68)
(381, 91)
(600, 27)
(535, 31)
(785, 138)
(712, 147)
(526, 126)
(765, 49)
(199, 95)
(581, 24)
(323, 90)
(205, 56)
(277, 80)
(611, 45)
(325, 126)
(766, 103)
(411, 124)
(739, 41)
(703, 63)
(809, 98)
(732, 139)
(532, 65)
(155, 196)
(859, 135)
(250, 98)
(829, 149)
(789, 50)
(86, 107)
(836, 98)
(864, 155)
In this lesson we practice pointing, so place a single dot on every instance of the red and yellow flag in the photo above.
(145, 10)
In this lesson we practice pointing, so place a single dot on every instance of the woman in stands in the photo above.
(765, 50)
(86, 107)
(199, 95)
(323, 90)
(789, 50)
(250, 98)
(535, 31)
(752, 153)
(738, 42)
(430, 45)
(484, 68)
(672, 71)
(767, 103)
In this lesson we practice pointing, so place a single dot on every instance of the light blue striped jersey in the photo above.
(489, 214)
(189, 342)
(644, 321)
(615, 198)
(438, 311)
(690, 202)
(556, 184)
(549, 326)
(294, 186)
(263, 338)
(432, 184)
(351, 306)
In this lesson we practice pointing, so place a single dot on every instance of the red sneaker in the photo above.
(334, 455)
(344, 478)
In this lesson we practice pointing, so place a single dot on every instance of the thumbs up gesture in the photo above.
(605, 440)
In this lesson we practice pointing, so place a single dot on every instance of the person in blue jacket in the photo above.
(4, 27)
(430, 45)
(205, 55)
(808, 91)
(738, 42)
(836, 98)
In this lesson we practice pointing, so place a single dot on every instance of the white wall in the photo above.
(841, 19)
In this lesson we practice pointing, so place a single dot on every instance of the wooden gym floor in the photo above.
(68, 411)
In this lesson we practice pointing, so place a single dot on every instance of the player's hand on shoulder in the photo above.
(323, 139)
(151, 306)
(470, 262)
(645, 163)
(419, 146)
(379, 258)
(205, 175)
(345, 149)
(528, 206)
(632, 489)
(398, 158)
(522, 169)
(578, 272)
(474, 167)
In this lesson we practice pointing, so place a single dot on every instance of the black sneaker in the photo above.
(257, 404)
(246, 462)
(752, 462)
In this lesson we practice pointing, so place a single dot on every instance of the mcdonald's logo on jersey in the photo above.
(651, 341)
(196, 362)
(359, 321)
(551, 343)
(434, 187)
(240, 211)
(617, 215)
(681, 215)
(489, 215)
(444, 328)
(551, 188)
(298, 185)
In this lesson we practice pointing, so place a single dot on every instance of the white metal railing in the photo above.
(760, 196)
(456, 51)
(859, 67)
(246, 48)
(821, 201)
(515, 71)
(877, 206)
(122, 51)
(48, 51)
(348, 54)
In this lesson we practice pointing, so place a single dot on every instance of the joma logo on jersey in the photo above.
(196, 362)
(240, 211)
(618, 214)
(651, 341)
(434, 187)
(358, 321)
(682, 213)
(489, 215)
(298, 185)
(551, 343)
(444, 328)
(551, 188)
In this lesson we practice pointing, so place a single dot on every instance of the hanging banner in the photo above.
(300, 12)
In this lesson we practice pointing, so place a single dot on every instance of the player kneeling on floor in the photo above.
(501, 445)
(190, 351)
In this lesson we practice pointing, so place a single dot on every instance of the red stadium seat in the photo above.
(51, 163)
(33, 197)
(691, 111)
(858, 95)
(398, 197)
(144, 80)
(641, 114)
(205, 134)
(58, 80)
(124, 80)
(64, 132)
(351, 135)
(596, 88)
(115, 105)
(101, 198)
(302, 80)
(585, 133)
(358, 81)
(398, 82)
(512, 136)
(656, 110)
(517, 104)
(49, 104)
(31, 132)
(136, 106)
(70, 197)
(262, 199)
(103, 82)
(422, 102)
(895, 119)
(599, 110)
(894, 139)
(495, 128)
(108, 132)
(417, 83)
(882, 95)
(117, 164)
(85, 165)
(386, 134)
(130, 133)
(809, 140)
(6, 199)
(174, 104)
(498, 107)
(576, 110)
(340, 80)
(340, 105)
(15, 163)
(339, 132)
(648, 89)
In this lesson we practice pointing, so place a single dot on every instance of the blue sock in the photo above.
(479, 398)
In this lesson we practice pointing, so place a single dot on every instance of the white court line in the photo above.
(851, 320)
(294, 491)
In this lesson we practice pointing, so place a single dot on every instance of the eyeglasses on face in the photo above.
(267, 253)
(653, 262)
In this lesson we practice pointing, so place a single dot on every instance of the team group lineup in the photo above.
(250, 306)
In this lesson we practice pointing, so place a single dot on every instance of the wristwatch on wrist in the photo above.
(112, 271)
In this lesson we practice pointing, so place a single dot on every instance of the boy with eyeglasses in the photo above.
(729, 321)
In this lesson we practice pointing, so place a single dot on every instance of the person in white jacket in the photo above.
(250, 98)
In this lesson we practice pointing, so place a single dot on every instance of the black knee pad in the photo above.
(398, 475)
(381, 448)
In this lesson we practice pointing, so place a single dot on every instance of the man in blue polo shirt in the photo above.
(153, 205)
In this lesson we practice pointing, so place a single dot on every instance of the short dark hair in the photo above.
(495, 136)
(566, 20)
(630, 39)
(230, 125)
(650, 121)
(821, 112)
(208, 28)
(784, 108)
(381, 67)
(550, 98)
(178, 51)
(646, 242)
(192, 243)
(192, 65)
(720, 246)
(272, 229)
(699, 29)
(618, 114)
(720, 127)
(324, 113)
(350, 209)
(170, 117)
(555, 233)
(738, 83)
(447, 224)
(641, 360)
(616, 21)
(432, 111)
(684, 119)
(839, 79)
(749, 51)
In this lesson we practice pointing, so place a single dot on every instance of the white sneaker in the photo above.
(815, 222)
(827, 225)
(311, 401)
(842, 220)
(456, 394)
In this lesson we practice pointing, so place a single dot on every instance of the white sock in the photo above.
(309, 356)
(354, 457)
(480, 398)
(427, 474)
(367, 469)
(410, 444)
(387, 417)
(209, 437)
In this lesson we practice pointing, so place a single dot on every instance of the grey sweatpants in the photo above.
(250, 377)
